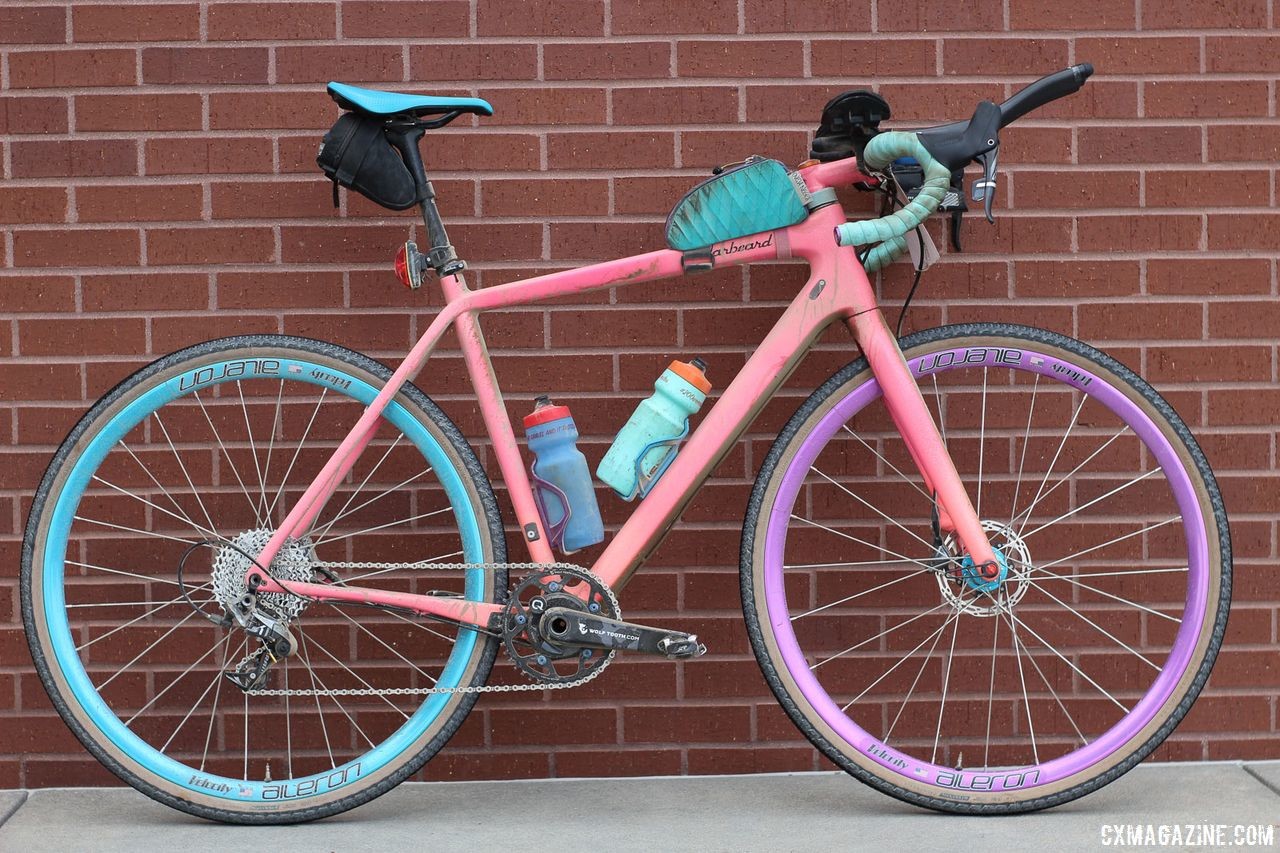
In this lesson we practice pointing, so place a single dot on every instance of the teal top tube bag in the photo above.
(756, 195)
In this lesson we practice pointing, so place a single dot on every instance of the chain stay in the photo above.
(425, 691)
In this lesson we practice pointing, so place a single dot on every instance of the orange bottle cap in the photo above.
(692, 374)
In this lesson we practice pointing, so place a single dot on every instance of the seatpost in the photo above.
(441, 257)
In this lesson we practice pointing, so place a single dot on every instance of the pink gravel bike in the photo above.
(984, 568)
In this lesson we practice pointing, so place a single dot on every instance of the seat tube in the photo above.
(494, 412)
(915, 422)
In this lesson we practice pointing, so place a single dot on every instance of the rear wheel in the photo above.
(213, 444)
(907, 667)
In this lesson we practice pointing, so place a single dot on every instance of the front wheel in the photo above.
(914, 672)
(137, 546)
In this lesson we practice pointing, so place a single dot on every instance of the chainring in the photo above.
(533, 654)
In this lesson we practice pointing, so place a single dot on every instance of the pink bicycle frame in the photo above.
(837, 289)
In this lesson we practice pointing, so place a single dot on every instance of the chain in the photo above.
(424, 691)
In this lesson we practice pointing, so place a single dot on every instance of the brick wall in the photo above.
(159, 188)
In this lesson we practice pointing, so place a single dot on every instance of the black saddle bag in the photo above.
(356, 153)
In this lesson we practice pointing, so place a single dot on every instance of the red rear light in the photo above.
(409, 266)
(402, 266)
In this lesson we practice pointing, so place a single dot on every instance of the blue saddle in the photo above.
(377, 103)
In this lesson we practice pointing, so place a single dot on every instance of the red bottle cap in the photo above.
(544, 411)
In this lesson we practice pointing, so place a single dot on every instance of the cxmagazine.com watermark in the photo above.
(1196, 835)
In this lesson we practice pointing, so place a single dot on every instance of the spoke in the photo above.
(183, 517)
(230, 464)
(1121, 538)
(142, 653)
(284, 482)
(253, 451)
(374, 499)
(942, 427)
(409, 520)
(384, 644)
(134, 530)
(1022, 679)
(341, 512)
(324, 728)
(853, 538)
(1025, 515)
(334, 699)
(1044, 576)
(883, 633)
(1032, 660)
(217, 694)
(131, 603)
(123, 572)
(392, 705)
(991, 688)
(165, 491)
(894, 468)
(426, 628)
(982, 442)
(288, 723)
(904, 659)
(182, 465)
(1083, 507)
(946, 686)
(181, 676)
(1065, 660)
(246, 736)
(138, 619)
(839, 564)
(920, 672)
(1127, 572)
(1017, 485)
(896, 580)
(1049, 471)
(1098, 627)
(217, 677)
(869, 506)
(271, 442)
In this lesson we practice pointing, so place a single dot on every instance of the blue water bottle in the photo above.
(649, 441)
(562, 485)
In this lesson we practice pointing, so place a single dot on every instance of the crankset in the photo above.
(588, 630)
(562, 622)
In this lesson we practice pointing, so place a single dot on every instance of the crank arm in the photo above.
(576, 628)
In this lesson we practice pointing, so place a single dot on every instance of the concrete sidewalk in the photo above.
(730, 813)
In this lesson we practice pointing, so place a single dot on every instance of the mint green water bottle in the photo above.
(648, 442)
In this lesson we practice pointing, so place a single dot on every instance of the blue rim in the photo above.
(145, 755)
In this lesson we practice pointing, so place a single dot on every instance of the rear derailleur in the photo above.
(563, 623)
(276, 642)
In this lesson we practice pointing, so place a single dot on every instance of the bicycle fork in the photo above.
(915, 423)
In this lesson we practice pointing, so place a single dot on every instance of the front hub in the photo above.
(977, 579)
(968, 588)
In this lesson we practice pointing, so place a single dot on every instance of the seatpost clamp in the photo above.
(445, 261)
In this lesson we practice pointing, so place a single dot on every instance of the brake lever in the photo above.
(985, 189)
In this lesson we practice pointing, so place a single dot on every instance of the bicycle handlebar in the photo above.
(1057, 85)
(890, 231)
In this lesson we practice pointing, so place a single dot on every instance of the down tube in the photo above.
(825, 297)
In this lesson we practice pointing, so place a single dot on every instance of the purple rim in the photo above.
(1059, 768)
